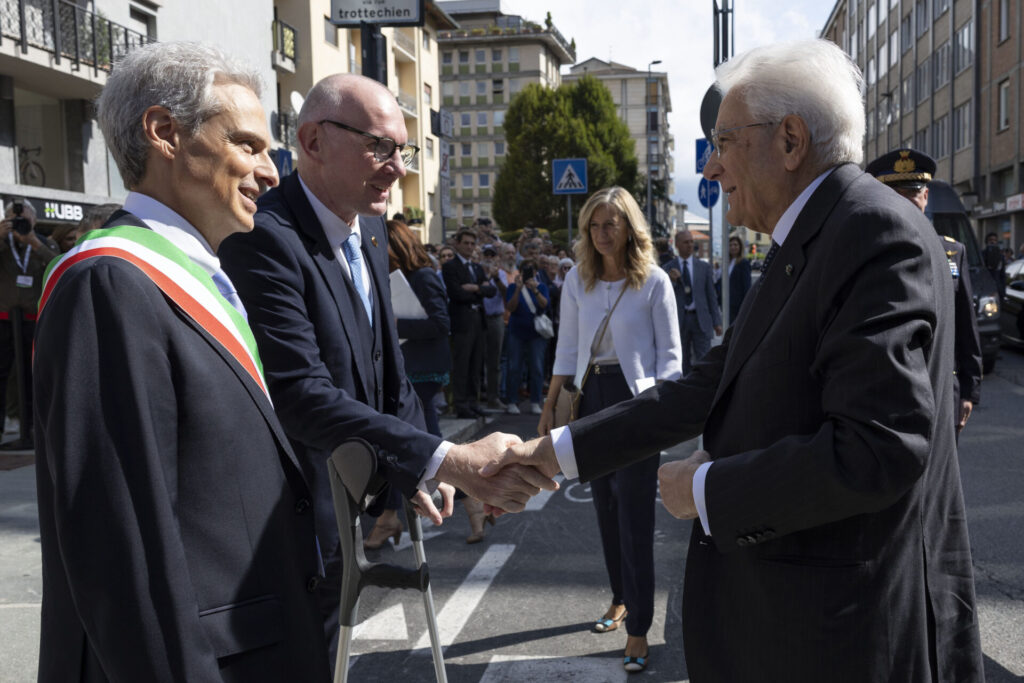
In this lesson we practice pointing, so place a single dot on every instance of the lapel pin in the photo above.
(373, 240)
(789, 269)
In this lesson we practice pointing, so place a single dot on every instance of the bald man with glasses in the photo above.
(313, 276)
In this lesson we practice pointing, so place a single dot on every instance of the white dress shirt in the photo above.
(167, 223)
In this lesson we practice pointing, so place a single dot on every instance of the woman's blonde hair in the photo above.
(639, 246)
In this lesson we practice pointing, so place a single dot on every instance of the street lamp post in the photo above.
(647, 112)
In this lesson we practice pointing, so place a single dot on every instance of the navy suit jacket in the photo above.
(176, 529)
(331, 376)
(739, 285)
(838, 548)
(704, 299)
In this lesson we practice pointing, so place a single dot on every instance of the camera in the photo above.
(528, 272)
(19, 223)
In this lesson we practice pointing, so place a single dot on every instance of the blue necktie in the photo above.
(227, 290)
(354, 257)
(687, 285)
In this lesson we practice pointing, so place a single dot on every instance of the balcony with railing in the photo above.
(66, 30)
(284, 46)
(407, 103)
(405, 44)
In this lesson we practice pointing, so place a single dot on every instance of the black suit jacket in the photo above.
(426, 348)
(466, 308)
(739, 285)
(839, 547)
(967, 348)
(331, 376)
(176, 530)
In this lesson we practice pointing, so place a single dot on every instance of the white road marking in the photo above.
(406, 541)
(540, 500)
(514, 669)
(459, 607)
(387, 625)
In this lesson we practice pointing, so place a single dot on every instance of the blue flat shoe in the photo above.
(635, 664)
(605, 625)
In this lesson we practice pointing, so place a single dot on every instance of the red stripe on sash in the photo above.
(175, 293)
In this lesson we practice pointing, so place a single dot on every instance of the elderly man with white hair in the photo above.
(832, 538)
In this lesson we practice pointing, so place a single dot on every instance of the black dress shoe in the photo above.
(465, 415)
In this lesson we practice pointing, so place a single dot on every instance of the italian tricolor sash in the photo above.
(181, 281)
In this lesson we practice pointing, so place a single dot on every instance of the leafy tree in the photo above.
(577, 120)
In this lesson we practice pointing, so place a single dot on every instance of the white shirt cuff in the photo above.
(561, 440)
(433, 465)
(698, 495)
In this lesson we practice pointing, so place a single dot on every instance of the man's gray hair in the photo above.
(813, 79)
(179, 76)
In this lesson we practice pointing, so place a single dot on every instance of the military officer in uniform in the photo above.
(908, 172)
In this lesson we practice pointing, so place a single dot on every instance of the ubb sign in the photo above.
(61, 211)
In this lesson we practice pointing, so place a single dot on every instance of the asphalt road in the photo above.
(519, 606)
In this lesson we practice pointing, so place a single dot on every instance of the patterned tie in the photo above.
(687, 284)
(355, 266)
(768, 258)
(227, 290)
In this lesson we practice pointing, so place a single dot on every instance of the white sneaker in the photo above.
(512, 409)
(535, 409)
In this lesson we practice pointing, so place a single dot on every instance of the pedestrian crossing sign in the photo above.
(569, 176)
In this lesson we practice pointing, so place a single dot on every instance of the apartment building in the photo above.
(318, 48)
(484, 63)
(943, 76)
(55, 56)
(643, 103)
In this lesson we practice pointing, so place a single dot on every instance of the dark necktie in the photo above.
(687, 284)
(768, 258)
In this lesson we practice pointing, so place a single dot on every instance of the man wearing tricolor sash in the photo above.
(177, 538)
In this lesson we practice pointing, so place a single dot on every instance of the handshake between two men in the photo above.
(504, 472)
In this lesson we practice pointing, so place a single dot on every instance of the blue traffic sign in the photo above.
(569, 176)
(708, 192)
(704, 150)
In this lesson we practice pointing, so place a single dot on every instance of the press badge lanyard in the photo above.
(23, 280)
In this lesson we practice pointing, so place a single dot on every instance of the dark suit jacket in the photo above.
(706, 303)
(967, 348)
(331, 376)
(426, 348)
(176, 530)
(839, 547)
(466, 308)
(739, 285)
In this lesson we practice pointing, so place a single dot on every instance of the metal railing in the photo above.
(404, 42)
(284, 39)
(64, 29)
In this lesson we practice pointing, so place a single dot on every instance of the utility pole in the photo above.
(650, 129)
(724, 42)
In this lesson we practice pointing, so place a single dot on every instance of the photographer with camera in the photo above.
(24, 256)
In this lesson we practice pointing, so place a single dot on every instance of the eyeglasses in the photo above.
(385, 147)
(716, 139)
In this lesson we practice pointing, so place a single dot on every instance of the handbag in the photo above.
(568, 402)
(541, 323)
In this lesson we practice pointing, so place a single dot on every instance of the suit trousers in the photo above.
(695, 341)
(624, 501)
(467, 363)
(9, 367)
(492, 365)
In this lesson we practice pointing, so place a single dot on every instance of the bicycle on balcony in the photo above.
(31, 171)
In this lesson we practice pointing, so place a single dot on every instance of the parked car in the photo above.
(948, 215)
(1012, 318)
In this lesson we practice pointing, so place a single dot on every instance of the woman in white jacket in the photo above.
(616, 274)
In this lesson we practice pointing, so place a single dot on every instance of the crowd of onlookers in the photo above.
(495, 290)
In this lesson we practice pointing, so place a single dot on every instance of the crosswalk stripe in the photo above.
(459, 607)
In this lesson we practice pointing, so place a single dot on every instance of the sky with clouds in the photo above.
(679, 33)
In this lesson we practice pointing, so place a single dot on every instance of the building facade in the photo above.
(319, 49)
(484, 63)
(943, 77)
(643, 103)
